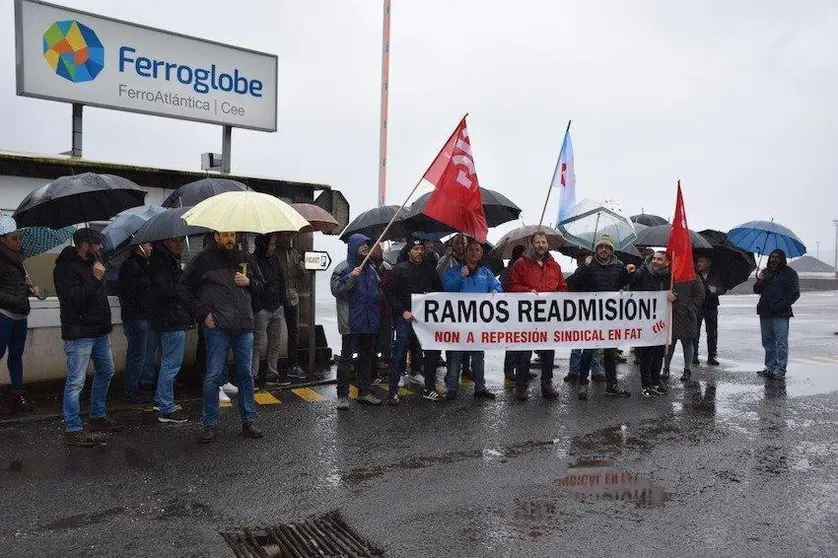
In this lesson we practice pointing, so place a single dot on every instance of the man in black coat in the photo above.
(714, 287)
(134, 301)
(170, 320)
(217, 288)
(268, 305)
(414, 276)
(79, 279)
(778, 288)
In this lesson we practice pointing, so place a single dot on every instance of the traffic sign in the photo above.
(317, 261)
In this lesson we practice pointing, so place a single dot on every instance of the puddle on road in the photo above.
(607, 483)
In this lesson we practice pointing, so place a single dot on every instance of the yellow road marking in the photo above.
(307, 394)
(265, 398)
(225, 404)
(466, 383)
(810, 361)
(353, 392)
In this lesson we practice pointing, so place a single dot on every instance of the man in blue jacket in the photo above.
(470, 278)
(778, 288)
(362, 288)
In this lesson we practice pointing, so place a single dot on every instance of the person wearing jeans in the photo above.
(170, 320)
(79, 279)
(471, 277)
(15, 290)
(135, 303)
(268, 310)
(218, 288)
(778, 288)
(360, 286)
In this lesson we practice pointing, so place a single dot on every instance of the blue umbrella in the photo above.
(763, 237)
(127, 224)
(38, 240)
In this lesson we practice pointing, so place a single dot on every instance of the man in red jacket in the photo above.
(536, 272)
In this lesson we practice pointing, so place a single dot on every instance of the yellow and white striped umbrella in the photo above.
(252, 212)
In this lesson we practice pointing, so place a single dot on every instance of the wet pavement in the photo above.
(728, 465)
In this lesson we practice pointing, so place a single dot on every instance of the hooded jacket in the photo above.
(479, 280)
(528, 275)
(83, 299)
(14, 290)
(408, 278)
(134, 288)
(168, 311)
(207, 285)
(274, 294)
(362, 293)
(777, 290)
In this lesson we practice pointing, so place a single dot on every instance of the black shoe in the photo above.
(208, 435)
(249, 430)
(275, 380)
(659, 389)
(583, 392)
(103, 424)
(20, 404)
(484, 394)
(549, 392)
(431, 395)
(521, 394)
(173, 417)
(695, 361)
(531, 376)
(765, 372)
(620, 360)
(571, 377)
(647, 392)
(393, 400)
(450, 395)
(598, 378)
(665, 374)
(614, 391)
(79, 439)
(686, 376)
(134, 398)
(711, 361)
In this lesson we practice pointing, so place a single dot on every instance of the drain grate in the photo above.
(322, 537)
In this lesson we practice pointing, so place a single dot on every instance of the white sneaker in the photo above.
(222, 397)
(417, 379)
(230, 389)
(403, 380)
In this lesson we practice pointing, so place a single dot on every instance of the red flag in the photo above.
(679, 245)
(456, 201)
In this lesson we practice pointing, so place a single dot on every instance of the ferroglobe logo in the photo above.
(73, 51)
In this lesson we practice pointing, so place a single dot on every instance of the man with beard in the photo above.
(413, 276)
(778, 288)
(471, 278)
(603, 272)
(709, 313)
(653, 275)
(170, 320)
(217, 287)
(536, 272)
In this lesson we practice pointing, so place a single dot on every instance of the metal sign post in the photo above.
(76, 139)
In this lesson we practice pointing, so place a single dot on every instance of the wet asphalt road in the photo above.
(727, 466)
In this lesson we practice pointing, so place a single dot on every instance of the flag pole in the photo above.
(550, 186)
(410, 195)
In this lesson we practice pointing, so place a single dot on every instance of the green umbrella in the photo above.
(37, 240)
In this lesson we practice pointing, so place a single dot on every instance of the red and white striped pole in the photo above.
(385, 86)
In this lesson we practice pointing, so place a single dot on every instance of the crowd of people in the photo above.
(239, 301)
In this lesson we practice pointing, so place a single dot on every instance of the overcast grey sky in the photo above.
(736, 98)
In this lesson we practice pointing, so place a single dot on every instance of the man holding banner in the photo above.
(470, 278)
(536, 272)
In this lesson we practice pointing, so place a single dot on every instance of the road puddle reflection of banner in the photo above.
(613, 484)
(526, 321)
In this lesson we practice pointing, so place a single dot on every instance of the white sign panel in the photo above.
(525, 321)
(317, 261)
(77, 57)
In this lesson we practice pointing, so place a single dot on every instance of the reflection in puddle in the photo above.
(606, 483)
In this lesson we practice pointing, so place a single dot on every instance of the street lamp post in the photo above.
(836, 247)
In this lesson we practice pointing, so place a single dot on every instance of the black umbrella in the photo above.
(78, 199)
(733, 264)
(649, 220)
(659, 236)
(168, 224)
(371, 223)
(498, 208)
(198, 191)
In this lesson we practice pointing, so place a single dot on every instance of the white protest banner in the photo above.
(544, 321)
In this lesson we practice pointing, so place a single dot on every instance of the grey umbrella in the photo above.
(659, 236)
(198, 191)
(168, 224)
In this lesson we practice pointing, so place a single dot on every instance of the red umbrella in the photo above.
(319, 219)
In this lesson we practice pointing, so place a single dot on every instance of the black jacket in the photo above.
(134, 288)
(167, 310)
(408, 278)
(14, 292)
(207, 285)
(778, 290)
(274, 294)
(85, 310)
(597, 277)
(711, 300)
(645, 280)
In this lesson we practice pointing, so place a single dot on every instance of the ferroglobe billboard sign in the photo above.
(77, 57)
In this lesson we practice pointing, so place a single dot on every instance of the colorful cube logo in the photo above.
(73, 51)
